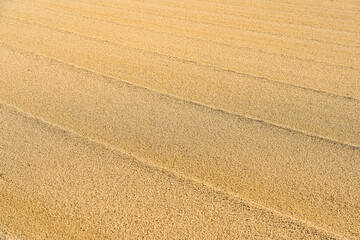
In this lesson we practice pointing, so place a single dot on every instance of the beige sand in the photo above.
(167, 119)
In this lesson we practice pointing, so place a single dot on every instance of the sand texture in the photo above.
(192, 119)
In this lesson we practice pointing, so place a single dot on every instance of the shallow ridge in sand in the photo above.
(249, 110)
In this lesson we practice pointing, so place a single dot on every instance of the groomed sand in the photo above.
(165, 119)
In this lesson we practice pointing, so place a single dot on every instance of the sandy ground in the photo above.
(179, 119)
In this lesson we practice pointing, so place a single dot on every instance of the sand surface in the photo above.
(165, 119)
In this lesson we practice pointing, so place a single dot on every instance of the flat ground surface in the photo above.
(192, 119)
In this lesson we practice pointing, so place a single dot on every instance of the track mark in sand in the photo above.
(319, 7)
(177, 98)
(176, 175)
(123, 116)
(181, 59)
(257, 6)
(291, 36)
(231, 7)
(246, 17)
(183, 36)
(225, 26)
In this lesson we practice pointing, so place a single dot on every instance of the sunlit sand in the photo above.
(193, 119)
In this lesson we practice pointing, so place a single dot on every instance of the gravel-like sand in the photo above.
(165, 119)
